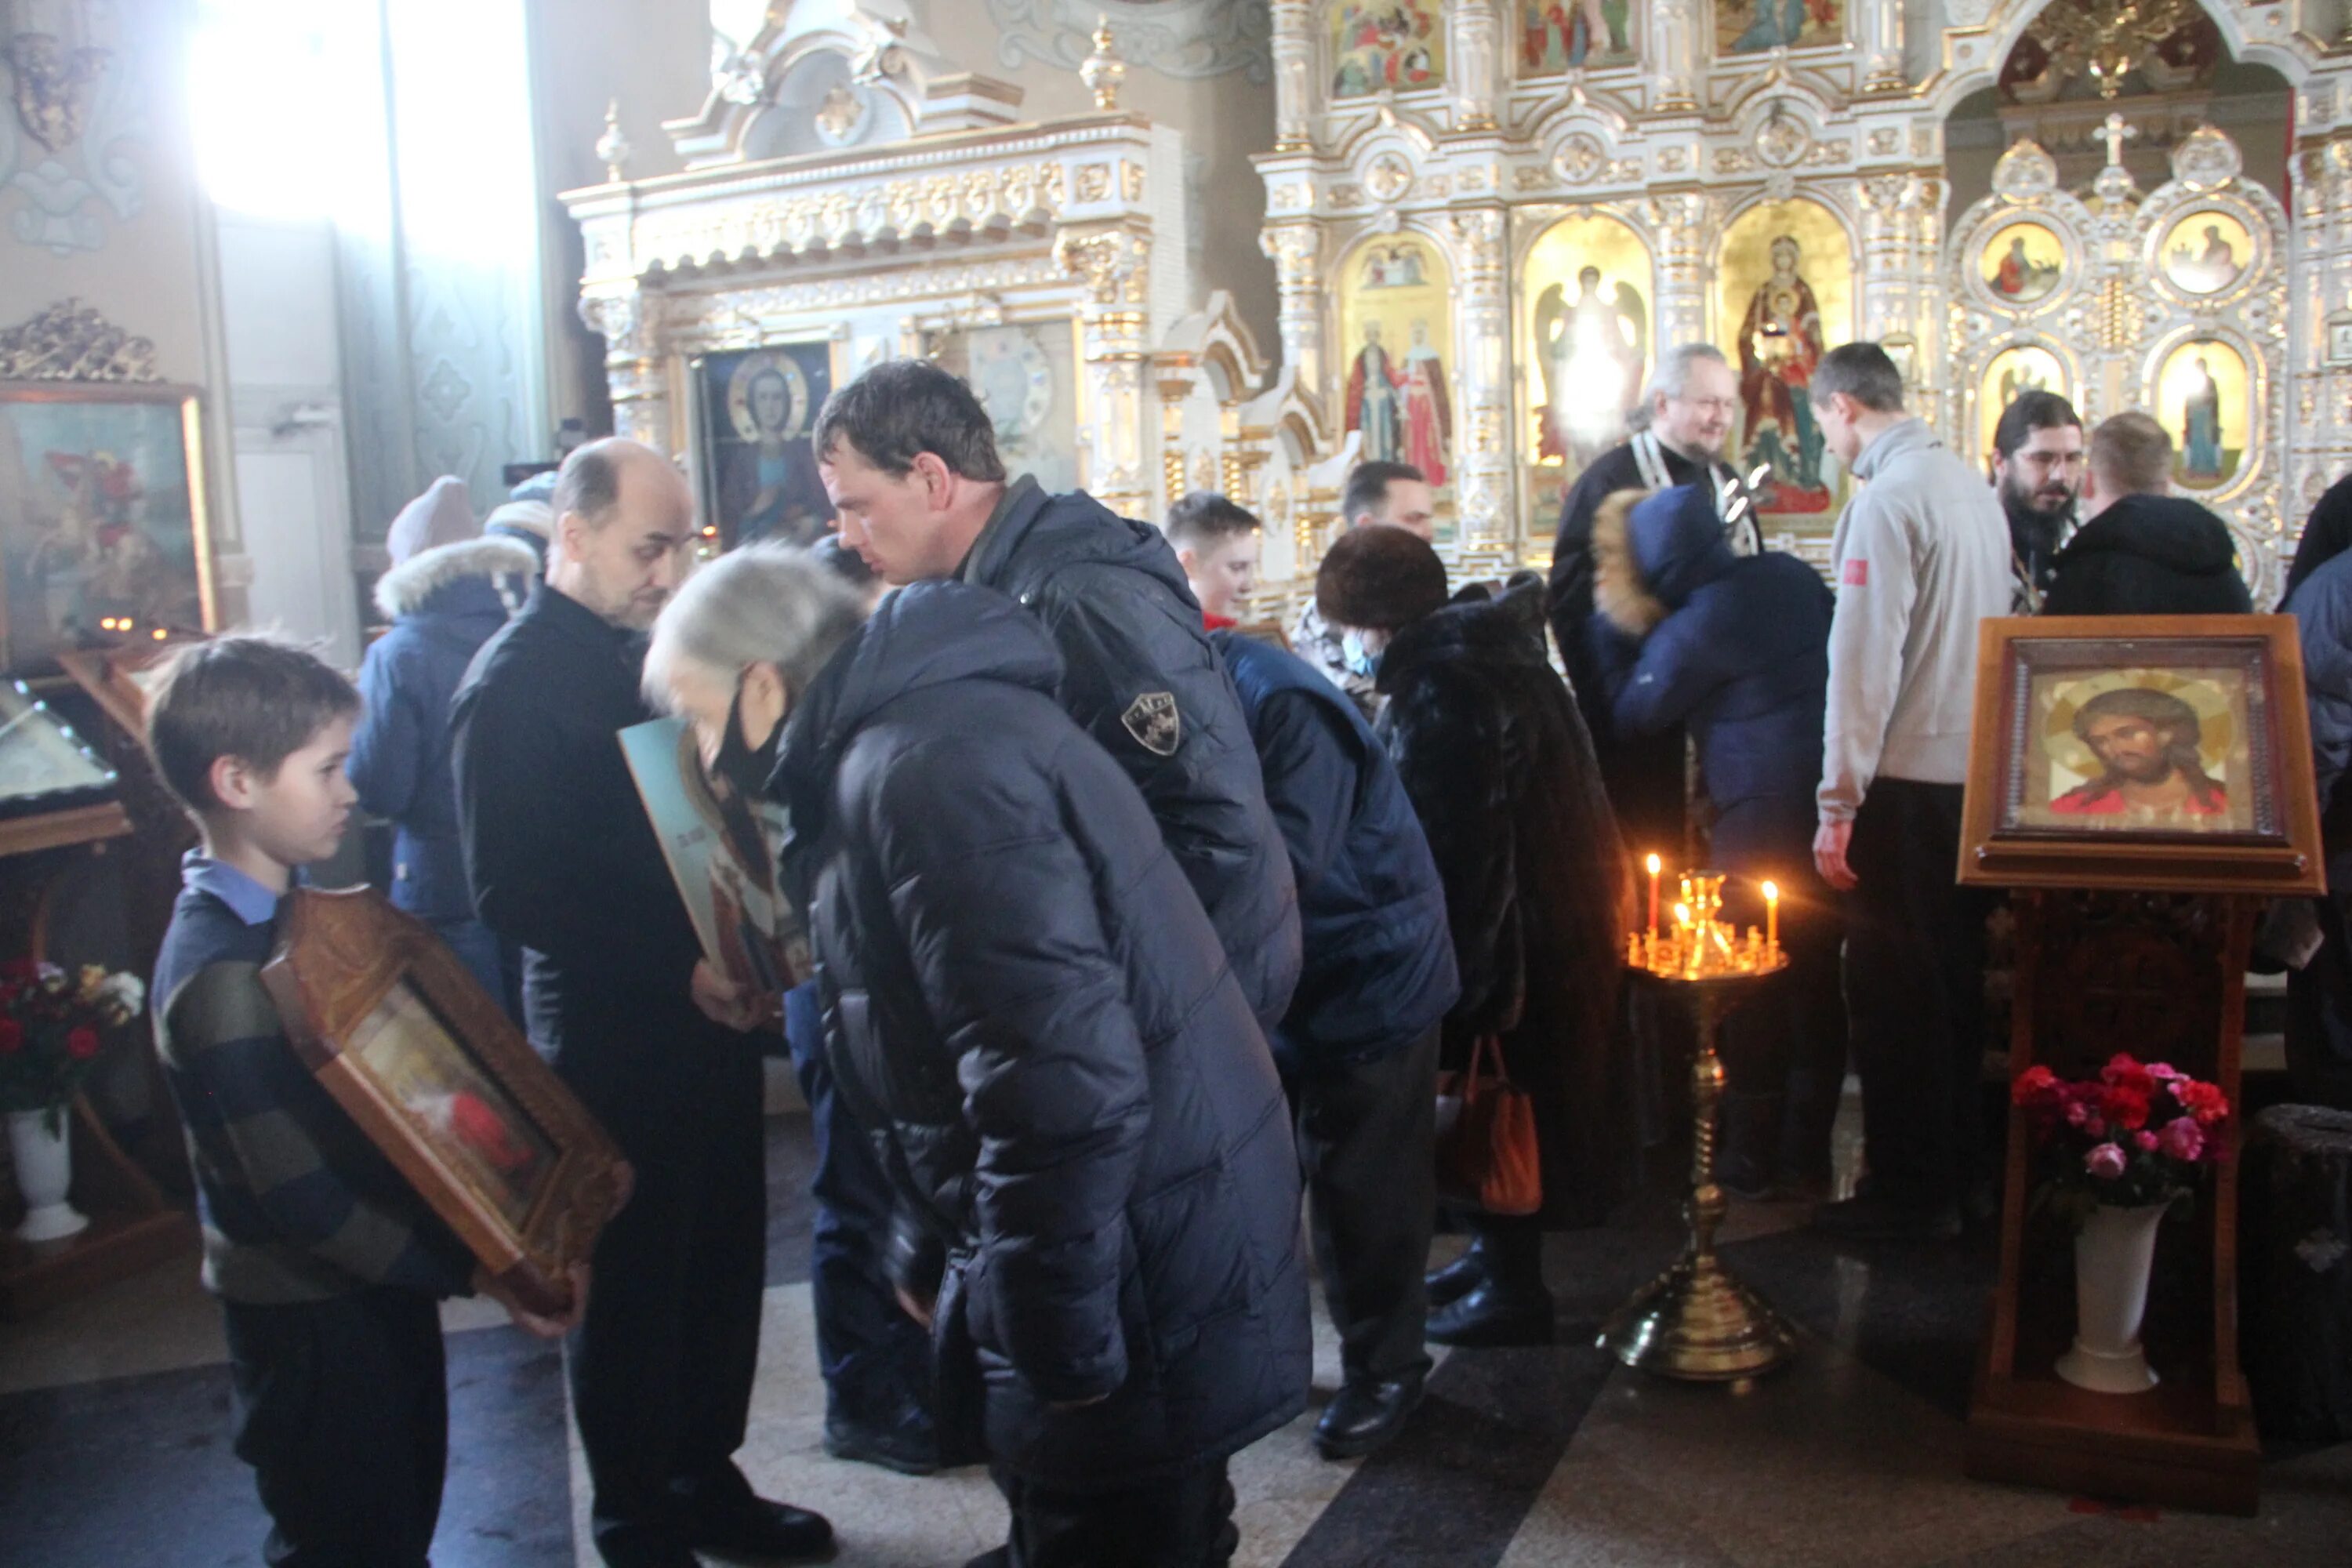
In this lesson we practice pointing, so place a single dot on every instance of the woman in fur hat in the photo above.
(1537, 890)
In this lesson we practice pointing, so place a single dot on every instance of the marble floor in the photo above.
(114, 1440)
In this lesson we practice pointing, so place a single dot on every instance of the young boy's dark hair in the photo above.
(257, 699)
(329, 1266)
(1200, 516)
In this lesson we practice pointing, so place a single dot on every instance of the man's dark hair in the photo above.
(904, 407)
(2028, 412)
(2175, 720)
(257, 699)
(1367, 488)
(1380, 579)
(1202, 517)
(1863, 373)
(589, 483)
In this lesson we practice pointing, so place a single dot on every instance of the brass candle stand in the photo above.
(1696, 1321)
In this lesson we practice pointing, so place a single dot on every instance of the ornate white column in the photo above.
(1675, 53)
(1883, 49)
(1482, 483)
(1293, 45)
(1474, 66)
(2321, 391)
(1902, 224)
(1681, 220)
(630, 321)
(1115, 265)
(1297, 252)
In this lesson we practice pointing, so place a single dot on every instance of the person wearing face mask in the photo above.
(1378, 495)
(563, 859)
(1539, 894)
(1095, 1186)
(1683, 424)
(2037, 471)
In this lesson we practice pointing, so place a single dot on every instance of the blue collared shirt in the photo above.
(248, 899)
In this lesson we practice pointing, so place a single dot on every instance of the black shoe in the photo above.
(908, 1446)
(636, 1548)
(1457, 1279)
(756, 1530)
(1364, 1415)
(1873, 1218)
(1491, 1316)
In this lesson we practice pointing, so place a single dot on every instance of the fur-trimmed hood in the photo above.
(1651, 552)
(403, 590)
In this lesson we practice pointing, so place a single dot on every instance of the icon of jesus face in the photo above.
(2131, 746)
(770, 402)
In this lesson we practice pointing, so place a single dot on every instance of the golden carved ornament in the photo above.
(71, 342)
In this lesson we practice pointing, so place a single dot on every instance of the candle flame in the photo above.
(1654, 864)
(1771, 893)
(1682, 914)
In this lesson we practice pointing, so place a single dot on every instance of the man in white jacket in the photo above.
(1920, 556)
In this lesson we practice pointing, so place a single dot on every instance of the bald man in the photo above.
(562, 860)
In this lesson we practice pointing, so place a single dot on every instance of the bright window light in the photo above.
(281, 92)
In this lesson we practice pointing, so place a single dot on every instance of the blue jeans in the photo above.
(876, 1360)
(485, 957)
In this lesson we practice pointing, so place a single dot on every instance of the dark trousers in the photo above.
(1182, 1521)
(1915, 993)
(1367, 1132)
(1784, 1050)
(876, 1360)
(662, 1366)
(342, 1410)
(2319, 1001)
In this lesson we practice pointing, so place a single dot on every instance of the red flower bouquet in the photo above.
(2136, 1135)
(52, 1026)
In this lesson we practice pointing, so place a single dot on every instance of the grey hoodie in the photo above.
(1920, 556)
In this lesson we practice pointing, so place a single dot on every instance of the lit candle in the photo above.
(1654, 868)
(1772, 917)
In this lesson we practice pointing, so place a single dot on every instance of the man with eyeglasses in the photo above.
(1679, 439)
(2037, 467)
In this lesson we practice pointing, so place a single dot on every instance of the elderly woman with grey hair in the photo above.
(1097, 1199)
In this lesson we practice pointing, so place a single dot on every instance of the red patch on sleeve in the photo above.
(1857, 573)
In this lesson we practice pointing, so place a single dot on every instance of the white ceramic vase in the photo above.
(2113, 1253)
(44, 1162)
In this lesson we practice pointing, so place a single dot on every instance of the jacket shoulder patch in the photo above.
(1153, 719)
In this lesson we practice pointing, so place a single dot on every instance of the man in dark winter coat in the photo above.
(1687, 417)
(444, 603)
(2141, 551)
(1736, 649)
(1538, 896)
(2326, 534)
(1022, 992)
(1358, 1046)
(908, 458)
(563, 859)
(2319, 995)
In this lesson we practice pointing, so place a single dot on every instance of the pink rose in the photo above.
(2165, 1072)
(2146, 1140)
(2105, 1162)
(2182, 1138)
(2077, 1113)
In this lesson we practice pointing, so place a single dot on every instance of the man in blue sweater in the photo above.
(1357, 1048)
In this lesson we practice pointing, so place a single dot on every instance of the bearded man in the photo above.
(2146, 742)
(2037, 467)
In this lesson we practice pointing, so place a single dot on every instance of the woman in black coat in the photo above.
(1079, 1116)
(1736, 649)
(1537, 890)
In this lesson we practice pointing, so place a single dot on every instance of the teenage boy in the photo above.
(328, 1267)
(1216, 544)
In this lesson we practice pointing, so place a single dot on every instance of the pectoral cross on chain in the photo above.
(2115, 133)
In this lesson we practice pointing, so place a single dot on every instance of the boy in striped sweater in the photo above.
(330, 1269)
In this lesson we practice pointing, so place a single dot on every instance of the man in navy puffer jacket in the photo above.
(1358, 1048)
(1736, 649)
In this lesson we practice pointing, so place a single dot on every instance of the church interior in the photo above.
(272, 268)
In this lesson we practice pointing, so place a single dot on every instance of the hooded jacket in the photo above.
(1139, 674)
(1735, 647)
(1539, 894)
(1371, 912)
(444, 603)
(2149, 555)
(1023, 996)
(1920, 555)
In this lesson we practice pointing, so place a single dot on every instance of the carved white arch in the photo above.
(2258, 33)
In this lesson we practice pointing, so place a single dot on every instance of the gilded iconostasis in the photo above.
(1486, 219)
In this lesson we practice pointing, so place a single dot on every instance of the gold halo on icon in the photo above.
(738, 395)
(2207, 696)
